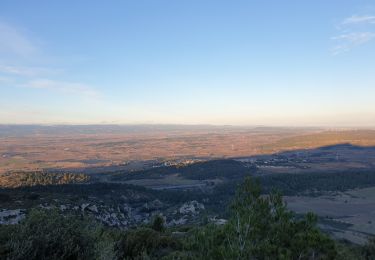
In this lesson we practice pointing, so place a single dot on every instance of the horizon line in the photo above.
(190, 125)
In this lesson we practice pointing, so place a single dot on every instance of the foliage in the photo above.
(145, 242)
(298, 184)
(115, 192)
(369, 249)
(349, 251)
(261, 227)
(49, 235)
(158, 223)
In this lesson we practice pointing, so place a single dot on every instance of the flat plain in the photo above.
(25, 148)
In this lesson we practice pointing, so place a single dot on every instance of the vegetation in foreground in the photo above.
(259, 227)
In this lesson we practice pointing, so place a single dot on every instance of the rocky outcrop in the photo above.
(121, 214)
(11, 217)
(218, 221)
(84, 206)
(93, 208)
(153, 205)
(176, 222)
(63, 207)
(191, 208)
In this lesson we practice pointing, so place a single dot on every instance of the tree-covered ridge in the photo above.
(19, 179)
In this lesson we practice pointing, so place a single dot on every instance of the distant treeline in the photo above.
(315, 183)
(307, 183)
(311, 184)
(111, 192)
(197, 171)
(19, 179)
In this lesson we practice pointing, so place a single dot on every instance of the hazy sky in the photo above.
(188, 61)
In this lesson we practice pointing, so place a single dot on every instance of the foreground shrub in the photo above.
(261, 227)
(49, 235)
(143, 242)
(369, 249)
(158, 224)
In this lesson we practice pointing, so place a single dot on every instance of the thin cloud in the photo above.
(63, 87)
(5, 79)
(28, 71)
(360, 19)
(354, 31)
(17, 46)
(12, 41)
(345, 42)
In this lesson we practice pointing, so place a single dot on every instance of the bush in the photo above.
(369, 249)
(158, 224)
(48, 235)
(145, 241)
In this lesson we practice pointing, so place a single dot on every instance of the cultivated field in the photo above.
(349, 215)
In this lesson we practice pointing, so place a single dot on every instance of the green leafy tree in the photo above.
(261, 227)
(158, 224)
(49, 235)
(142, 242)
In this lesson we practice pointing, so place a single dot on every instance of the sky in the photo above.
(276, 63)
